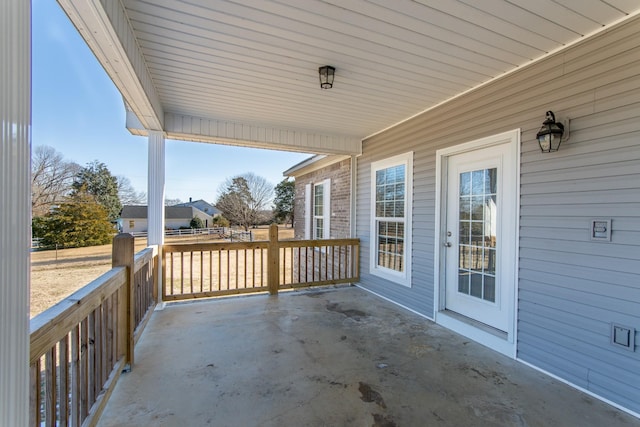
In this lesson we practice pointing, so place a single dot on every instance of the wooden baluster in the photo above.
(35, 396)
(64, 381)
(51, 400)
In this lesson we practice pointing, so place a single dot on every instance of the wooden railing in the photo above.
(80, 346)
(318, 262)
(213, 269)
(217, 269)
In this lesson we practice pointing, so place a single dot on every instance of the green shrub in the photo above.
(196, 223)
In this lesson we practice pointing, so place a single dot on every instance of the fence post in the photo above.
(273, 260)
(122, 255)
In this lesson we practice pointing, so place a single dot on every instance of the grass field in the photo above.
(57, 274)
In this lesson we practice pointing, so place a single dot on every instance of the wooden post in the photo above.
(122, 256)
(273, 260)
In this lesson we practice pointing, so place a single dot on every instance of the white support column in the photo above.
(15, 209)
(155, 196)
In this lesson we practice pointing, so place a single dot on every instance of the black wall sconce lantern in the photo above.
(327, 73)
(550, 134)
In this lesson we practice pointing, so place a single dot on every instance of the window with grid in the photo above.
(318, 211)
(391, 199)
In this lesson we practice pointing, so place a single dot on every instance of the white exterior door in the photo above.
(480, 242)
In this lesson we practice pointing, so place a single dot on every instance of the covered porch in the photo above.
(336, 356)
(245, 73)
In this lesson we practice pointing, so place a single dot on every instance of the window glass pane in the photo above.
(465, 184)
(399, 210)
(464, 256)
(388, 209)
(463, 281)
(379, 209)
(318, 230)
(400, 229)
(476, 285)
(379, 193)
(382, 228)
(476, 258)
(476, 233)
(390, 175)
(492, 181)
(400, 173)
(465, 208)
(392, 228)
(380, 177)
(477, 182)
(318, 200)
(489, 288)
(490, 221)
(477, 208)
(400, 191)
(389, 192)
(465, 232)
(490, 261)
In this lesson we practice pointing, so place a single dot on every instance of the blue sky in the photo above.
(78, 111)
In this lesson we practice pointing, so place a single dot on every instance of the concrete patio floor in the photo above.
(331, 357)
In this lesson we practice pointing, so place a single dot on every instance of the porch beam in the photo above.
(107, 31)
(198, 129)
(15, 221)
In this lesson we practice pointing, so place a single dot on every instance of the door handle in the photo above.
(447, 244)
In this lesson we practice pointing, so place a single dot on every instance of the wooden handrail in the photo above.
(79, 347)
(50, 326)
(317, 243)
(143, 257)
(214, 246)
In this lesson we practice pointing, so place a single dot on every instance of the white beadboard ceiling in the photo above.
(256, 61)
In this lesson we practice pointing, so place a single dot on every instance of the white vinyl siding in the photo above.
(391, 204)
(570, 289)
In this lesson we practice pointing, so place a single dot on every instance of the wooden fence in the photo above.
(218, 231)
(217, 269)
(80, 346)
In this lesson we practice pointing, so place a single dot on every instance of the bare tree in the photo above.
(127, 194)
(241, 198)
(51, 179)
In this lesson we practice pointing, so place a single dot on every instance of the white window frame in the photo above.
(309, 210)
(315, 217)
(400, 277)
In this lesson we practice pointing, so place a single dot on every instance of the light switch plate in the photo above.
(600, 230)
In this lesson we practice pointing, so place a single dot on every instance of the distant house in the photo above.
(134, 218)
(205, 207)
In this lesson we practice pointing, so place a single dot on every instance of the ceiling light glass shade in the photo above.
(327, 73)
